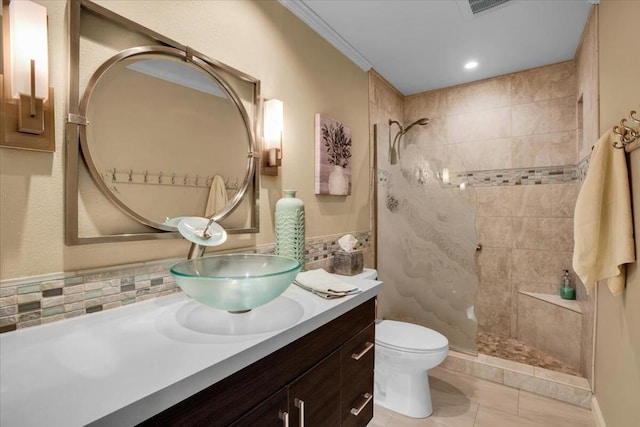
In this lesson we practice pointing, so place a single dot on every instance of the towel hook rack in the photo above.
(627, 135)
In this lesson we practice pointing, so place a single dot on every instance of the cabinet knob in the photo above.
(284, 416)
(300, 405)
(367, 346)
(365, 398)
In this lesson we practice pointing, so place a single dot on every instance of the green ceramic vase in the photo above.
(290, 226)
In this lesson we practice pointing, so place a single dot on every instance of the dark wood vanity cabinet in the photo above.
(324, 378)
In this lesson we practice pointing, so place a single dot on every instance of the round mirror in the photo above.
(166, 137)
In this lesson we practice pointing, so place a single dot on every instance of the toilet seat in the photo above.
(409, 338)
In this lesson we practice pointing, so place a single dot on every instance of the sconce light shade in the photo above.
(273, 125)
(26, 119)
(28, 34)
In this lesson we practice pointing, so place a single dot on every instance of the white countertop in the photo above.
(122, 366)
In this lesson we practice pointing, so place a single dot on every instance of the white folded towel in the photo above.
(325, 283)
(603, 225)
(217, 197)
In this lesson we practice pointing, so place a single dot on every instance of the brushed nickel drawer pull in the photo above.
(284, 416)
(300, 405)
(367, 399)
(367, 346)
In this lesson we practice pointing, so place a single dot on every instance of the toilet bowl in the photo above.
(404, 352)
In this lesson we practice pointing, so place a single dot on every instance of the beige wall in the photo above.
(259, 38)
(617, 358)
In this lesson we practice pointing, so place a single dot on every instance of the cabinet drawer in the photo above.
(357, 357)
(270, 413)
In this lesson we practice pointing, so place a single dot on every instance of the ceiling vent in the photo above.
(478, 6)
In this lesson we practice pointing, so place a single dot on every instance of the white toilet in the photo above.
(404, 354)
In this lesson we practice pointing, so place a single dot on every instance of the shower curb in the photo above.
(555, 385)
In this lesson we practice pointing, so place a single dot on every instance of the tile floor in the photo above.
(461, 400)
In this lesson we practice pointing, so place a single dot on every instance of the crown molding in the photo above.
(309, 17)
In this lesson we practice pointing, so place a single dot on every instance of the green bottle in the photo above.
(567, 291)
(289, 219)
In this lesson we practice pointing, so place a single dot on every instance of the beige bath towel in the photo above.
(217, 197)
(603, 225)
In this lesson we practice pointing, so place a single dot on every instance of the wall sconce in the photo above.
(27, 98)
(273, 125)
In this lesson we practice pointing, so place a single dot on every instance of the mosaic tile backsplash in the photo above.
(25, 303)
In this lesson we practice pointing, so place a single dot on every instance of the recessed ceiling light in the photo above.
(471, 65)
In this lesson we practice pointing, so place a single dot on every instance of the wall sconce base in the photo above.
(11, 137)
(26, 122)
(272, 160)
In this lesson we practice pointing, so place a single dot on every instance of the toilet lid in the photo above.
(410, 337)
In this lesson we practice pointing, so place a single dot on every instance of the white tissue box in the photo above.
(347, 263)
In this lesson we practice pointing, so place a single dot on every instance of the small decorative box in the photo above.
(347, 263)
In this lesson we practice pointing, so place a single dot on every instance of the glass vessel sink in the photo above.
(235, 282)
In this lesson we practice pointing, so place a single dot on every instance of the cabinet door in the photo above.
(357, 378)
(314, 398)
(272, 412)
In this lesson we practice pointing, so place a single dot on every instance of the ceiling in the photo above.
(421, 45)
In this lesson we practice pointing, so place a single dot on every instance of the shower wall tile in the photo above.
(543, 234)
(562, 378)
(479, 125)
(434, 134)
(494, 201)
(587, 85)
(548, 201)
(587, 90)
(565, 393)
(493, 306)
(554, 115)
(385, 95)
(544, 266)
(550, 149)
(478, 96)
(532, 285)
(544, 83)
(494, 231)
(494, 263)
(476, 367)
(471, 156)
(429, 104)
(550, 328)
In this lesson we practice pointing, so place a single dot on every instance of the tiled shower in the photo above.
(475, 221)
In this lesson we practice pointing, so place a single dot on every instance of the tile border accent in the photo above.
(37, 300)
(519, 176)
(563, 387)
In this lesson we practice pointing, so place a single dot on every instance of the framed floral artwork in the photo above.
(333, 157)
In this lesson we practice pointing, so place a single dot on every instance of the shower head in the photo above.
(422, 122)
(393, 154)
